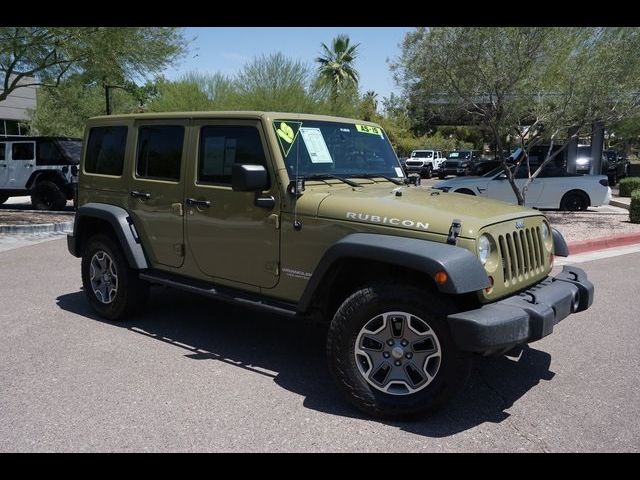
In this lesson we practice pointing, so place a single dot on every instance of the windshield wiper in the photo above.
(375, 175)
(326, 176)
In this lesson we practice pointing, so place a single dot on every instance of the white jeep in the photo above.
(44, 167)
(424, 162)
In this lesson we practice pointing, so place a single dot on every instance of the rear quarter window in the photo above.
(106, 150)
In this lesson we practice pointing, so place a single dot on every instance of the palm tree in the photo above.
(369, 105)
(336, 66)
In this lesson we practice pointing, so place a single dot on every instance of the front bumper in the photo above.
(522, 318)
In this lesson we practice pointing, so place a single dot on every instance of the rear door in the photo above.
(156, 188)
(21, 164)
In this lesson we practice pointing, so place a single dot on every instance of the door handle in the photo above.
(141, 195)
(28, 166)
(194, 202)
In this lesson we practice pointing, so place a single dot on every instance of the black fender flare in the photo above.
(122, 224)
(33, 179)
(560, 248)
(464, 271)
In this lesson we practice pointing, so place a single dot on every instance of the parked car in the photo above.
(459, 162)
(424, 162)
(44, 167)
(616, 166)
(483, 166)
(306, 216)
(552, 188)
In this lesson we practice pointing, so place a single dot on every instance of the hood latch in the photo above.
(454, 231)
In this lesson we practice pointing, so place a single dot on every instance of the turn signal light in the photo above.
(441, 277)
(489, 289)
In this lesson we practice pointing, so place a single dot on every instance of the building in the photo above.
(14, 110)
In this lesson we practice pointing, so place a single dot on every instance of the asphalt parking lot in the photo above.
(193, 374)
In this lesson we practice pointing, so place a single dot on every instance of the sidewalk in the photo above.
(618, 201)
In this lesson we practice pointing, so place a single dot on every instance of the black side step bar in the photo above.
(220, 293)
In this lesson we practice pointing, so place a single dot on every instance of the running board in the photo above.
(220, 293)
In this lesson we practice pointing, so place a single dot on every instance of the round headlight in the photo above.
(484, 248)
(546, 236)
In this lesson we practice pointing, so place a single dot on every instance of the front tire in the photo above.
(113, 288)
(3, 198)
(46, 195)
(390, 351)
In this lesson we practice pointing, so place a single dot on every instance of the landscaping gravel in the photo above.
(31, 218)
(597, 222)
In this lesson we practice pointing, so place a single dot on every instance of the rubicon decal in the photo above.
(399, 222)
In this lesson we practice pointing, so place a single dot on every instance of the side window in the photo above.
(105, 150)
(22, 151)
(222, 146)
(48, 154)
(160, 152)
(2, 150)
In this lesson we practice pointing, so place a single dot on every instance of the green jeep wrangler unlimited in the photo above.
(311, 216)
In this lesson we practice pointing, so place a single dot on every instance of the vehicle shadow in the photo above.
(293, 354)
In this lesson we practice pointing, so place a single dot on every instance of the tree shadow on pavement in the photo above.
(293, 354)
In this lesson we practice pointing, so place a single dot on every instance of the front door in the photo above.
(229, 236)
(4, 166)
(157, 191)
(21, 164)
(499, 188)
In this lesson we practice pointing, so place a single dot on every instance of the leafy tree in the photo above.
(336, 67)
(65, 109)
(533, 84)
(44, 56)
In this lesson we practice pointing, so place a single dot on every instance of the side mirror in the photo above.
(249, 178)
(502, 176)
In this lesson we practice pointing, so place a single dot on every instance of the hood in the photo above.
(460, 181)
(414, 208)
(457, 161)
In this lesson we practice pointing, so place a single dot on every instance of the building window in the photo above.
(13, 127)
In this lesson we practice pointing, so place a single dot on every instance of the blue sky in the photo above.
(227, 49)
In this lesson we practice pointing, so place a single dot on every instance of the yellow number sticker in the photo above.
(368, 129)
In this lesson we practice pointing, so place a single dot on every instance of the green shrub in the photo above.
(628, 185)
(634, 211)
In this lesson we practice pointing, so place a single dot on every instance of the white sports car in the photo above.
(553, 188)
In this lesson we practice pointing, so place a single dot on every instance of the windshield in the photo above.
(495, 171)
(71, 149)
(312, 147)
(460, 155)
(422, 154)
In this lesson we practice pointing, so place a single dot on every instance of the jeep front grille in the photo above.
(522, 254)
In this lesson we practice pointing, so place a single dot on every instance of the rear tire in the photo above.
(429, 376)
(113, 288)
(574, 201)
(46, 195)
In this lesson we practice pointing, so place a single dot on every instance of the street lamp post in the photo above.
(107, 95)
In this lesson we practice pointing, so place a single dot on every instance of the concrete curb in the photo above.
(617, 203)
(583, 246)
(38, 228)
